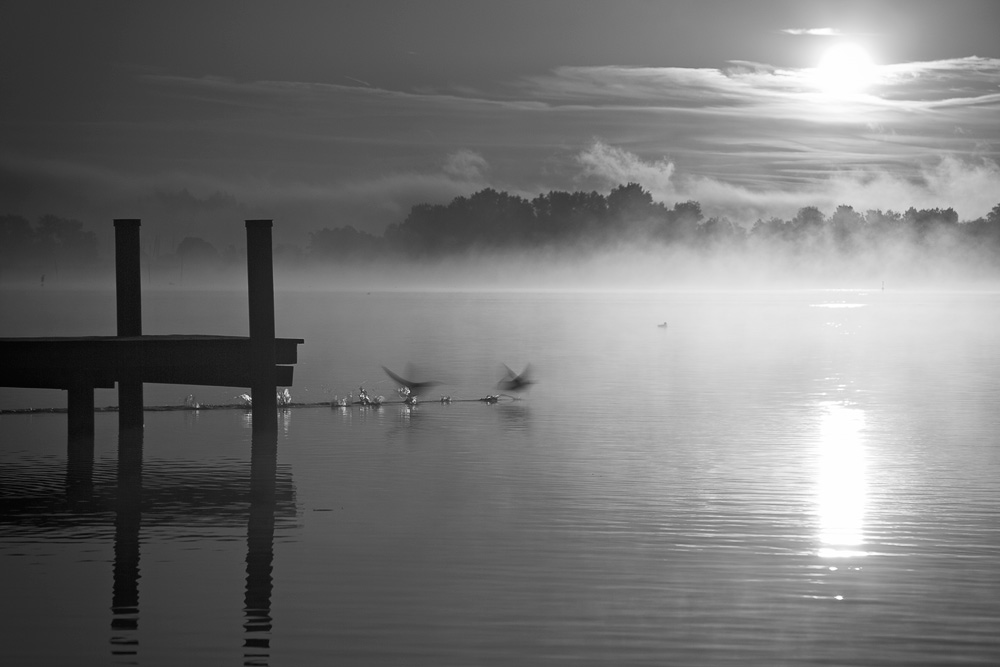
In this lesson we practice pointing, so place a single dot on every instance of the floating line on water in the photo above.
(241, 406)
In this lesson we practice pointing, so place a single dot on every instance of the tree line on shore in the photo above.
(50, 241)
(498, 221)
(495, 221)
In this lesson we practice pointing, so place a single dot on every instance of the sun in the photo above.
(844, 70)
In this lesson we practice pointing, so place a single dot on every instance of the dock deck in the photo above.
(101, 361)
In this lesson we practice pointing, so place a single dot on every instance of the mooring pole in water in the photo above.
(260, 289)
(128, 281)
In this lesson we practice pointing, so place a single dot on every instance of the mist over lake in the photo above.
(802, 475)
(548, 332)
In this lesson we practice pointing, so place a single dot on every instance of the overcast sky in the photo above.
(324, 114)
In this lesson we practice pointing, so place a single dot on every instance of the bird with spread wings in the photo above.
(414, 388)
(516, 382)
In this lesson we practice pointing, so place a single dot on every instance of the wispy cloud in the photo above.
(744, 85)
(614, 165)
(819, 32)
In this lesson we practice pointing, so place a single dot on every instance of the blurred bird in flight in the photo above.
(415, 388)
(514, 382)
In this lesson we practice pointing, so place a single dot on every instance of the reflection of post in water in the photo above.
(125, 592)
(80, 469)
(260, 547)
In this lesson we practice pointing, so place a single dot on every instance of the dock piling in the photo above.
(260, 290)
(128, 283)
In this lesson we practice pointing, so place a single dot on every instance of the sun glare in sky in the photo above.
(844, 70)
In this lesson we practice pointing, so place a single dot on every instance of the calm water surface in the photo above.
(796, 478)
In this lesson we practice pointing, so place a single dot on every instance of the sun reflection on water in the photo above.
(841, 483)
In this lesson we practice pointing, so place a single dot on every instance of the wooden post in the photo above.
(128, 277)
(260, 289)
(128, 282)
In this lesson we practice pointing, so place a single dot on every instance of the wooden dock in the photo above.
(78, 365)
(64, 363)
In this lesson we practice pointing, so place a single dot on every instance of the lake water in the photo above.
(784, 478)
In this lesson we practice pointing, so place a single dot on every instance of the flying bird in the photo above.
(415, 388)
(514, 382)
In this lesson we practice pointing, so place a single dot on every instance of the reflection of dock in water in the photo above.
(215, 492)
(133, 494)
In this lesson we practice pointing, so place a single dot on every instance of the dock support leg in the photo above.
(79, 443)
(80, 414)
(128, 282)
(130, 405)
(260, 288)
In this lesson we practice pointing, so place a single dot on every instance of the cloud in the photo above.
(311, 96)
(819, 32)
(616, 166)
(466, 165)
(634, 87)
(971, 187)
(745, 87)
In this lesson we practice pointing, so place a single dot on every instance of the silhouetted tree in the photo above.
(986, 230)
(924, 221)
(808, 219)
(493, 219)
(568, 217)
(680, 224)
(629, 206)
(768, 230)
(196, 249)
(883, 222)
(496, 220)
(65, 239)
(720, 231)
(845, 226)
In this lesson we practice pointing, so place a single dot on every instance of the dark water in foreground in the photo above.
(806, 478)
